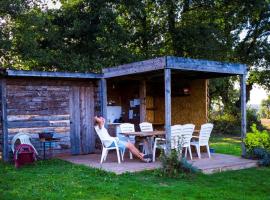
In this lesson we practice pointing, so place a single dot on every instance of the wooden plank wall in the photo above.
(35, 105)
(185, 109)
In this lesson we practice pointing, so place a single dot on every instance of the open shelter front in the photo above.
(166, 91)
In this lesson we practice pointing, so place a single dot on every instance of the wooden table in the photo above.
(149, 135)
(145, 134)
(148, 138)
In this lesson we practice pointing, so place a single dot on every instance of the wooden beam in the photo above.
(4, 120)
(167, 81)
(205, 65)
(134, 68)
(143, 101)
(23, 73)
(103, 98)
(75, 126)
(243, 113)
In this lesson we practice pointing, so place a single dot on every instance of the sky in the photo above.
(257, 93)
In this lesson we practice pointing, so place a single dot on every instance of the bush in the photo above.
(257, 139)
(231, 124)
(263, 155)
(174, 166)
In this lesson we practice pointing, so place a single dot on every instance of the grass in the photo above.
(56, 179)
(226, 144)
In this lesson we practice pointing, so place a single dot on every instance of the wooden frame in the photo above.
(243, 112)
(167, 82)
(178, 63)
(22, 73)
(168, 63)
(4, 120)
(204, 65)
(103, 98)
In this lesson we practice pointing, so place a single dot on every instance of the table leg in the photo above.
(44, 154)
(148, 145)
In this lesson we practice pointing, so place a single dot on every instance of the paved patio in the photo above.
(218, 163)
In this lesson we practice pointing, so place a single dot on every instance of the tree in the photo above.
(265, 108)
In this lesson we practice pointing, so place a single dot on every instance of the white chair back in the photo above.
(205, 133)
(146, 127)
(24, 138)
(187, 131)
(102, 134)
(176, 137)
(128, 128)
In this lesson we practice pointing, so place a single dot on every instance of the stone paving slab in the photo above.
(217, 163)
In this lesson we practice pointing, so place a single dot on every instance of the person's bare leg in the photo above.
(134, 151)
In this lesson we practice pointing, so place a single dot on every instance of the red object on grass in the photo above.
(24, 154)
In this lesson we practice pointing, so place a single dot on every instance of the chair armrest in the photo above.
(160, 139)
(113, 140)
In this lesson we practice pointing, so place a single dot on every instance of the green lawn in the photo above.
(56, 179)
(226, 145)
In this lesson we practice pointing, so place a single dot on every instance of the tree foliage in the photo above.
(86, 35)
(265, 108)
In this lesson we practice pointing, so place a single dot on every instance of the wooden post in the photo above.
(75, 120)
(167, 80)
(4, 120)
(103, 98)
(243, 112)
(143, 101)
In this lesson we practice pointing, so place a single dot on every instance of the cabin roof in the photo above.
(191, 67)
(212, 68)
(75, 75)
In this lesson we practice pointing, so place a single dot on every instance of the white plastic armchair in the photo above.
(160, 143)
(24, 138)
(187, 131)
(146, 127)
(203, 139)
(106, 141)
(127, 128)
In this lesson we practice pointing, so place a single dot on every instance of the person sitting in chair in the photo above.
(100, 121)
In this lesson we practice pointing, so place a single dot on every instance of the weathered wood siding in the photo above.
(186, 109)
(36, 105)
(1, 129)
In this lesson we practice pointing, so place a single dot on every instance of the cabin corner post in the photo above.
(142, 101)
(4, 120)
(243, 113)
(103, 98)
(167, 81)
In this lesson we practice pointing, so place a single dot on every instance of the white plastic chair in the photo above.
(24, 138)
(203, 139)
(127, 128)
(106, 141)
(160, 143)
(146, 127)
(187, 131)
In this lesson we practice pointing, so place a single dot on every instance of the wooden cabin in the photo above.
(164, 91)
